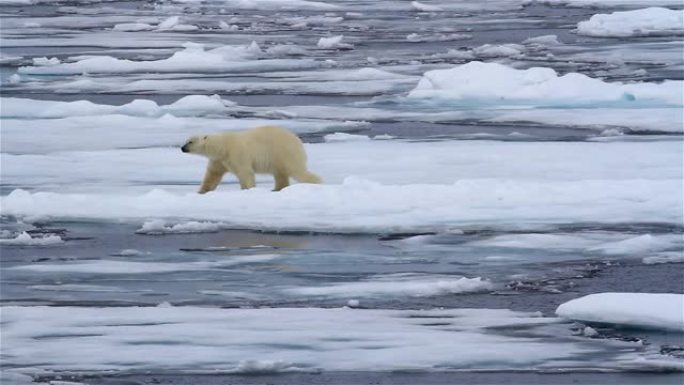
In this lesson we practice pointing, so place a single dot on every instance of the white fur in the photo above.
(262, 150)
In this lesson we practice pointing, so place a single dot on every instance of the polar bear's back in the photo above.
(273, 147)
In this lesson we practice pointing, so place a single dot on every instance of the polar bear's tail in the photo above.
(307, 177)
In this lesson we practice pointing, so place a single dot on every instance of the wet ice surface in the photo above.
(455, 213)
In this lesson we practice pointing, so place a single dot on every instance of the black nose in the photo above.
(184, 148)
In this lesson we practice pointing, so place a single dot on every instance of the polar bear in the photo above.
(261, 150)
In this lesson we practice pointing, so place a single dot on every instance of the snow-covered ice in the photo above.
(648, 310)
(654, 21)
(309, 339)
(193, 58)
(586, 182)
(332, 42)
(118, 266)
(344, 137)
(191, 105)
(665, 257)
(500, 84)
(398, 285)
(159, 227)
(25, 239)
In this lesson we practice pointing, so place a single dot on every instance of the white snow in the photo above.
(44, 61)
(133, 27)
(425, 7)
(417, 38)
(194, 58)
(344, 137)
(332, 42)
(642, 22)
(639, 244)
(499, 84)
(498, 50)
(665, 257)
(25, 239)
(110, 266)
(364, 206)
(657, 311)
(129, 253)
(415, 285)
(610, 3)
(638, 119)
(196, 339)
(368, 188)
(353, 303)
(80, 288)
(191, 105)
(588, 243)
(274, 4)
(544, 40)
(159, 227)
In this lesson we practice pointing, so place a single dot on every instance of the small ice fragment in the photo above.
(589, 332)
(353, 303)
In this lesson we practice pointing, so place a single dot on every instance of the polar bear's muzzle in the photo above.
(185, 148)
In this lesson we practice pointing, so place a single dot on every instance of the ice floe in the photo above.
(397, 285)
(159, 227)
(652, 21)
(332, 42)
(417, 38)
(368, 188)
(637, 245)
(589, 243)
(610, 3)
(25, 239)
(273, 4)
(499, 84)
(363, 206)
(191, 105)
(423, 7)
(648, 310)
(666, 257)
(344, 137)
(193, 58)
(112, 266)
(309, 339)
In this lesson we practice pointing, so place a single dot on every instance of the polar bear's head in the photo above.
(196, 145)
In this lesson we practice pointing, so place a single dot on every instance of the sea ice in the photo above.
(332, 42)
(25, 239)
(665, 257)
(159, 227)
(648, 310)
(133, 27)
(652, 21)
(415, 285)
(194, 58)
(425, 7)
(479, 182)
(610, 3)
(191, 105)
(494, 83)
(270, 4)
(191, 338)
(112, 267)
(344, 137)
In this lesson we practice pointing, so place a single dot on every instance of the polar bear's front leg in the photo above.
(212, 177)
